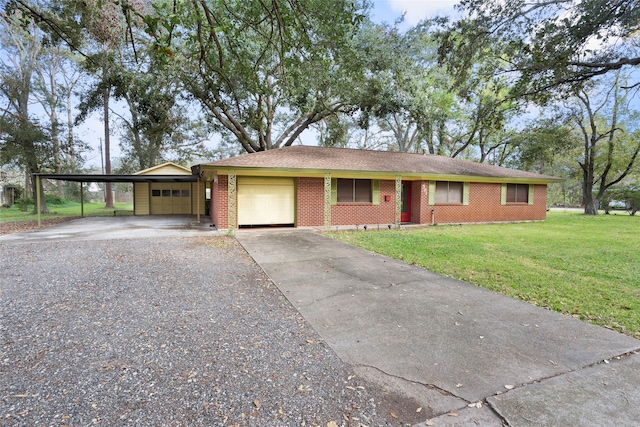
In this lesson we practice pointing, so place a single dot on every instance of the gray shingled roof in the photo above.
(345, 159)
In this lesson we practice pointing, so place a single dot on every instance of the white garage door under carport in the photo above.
(266, 201)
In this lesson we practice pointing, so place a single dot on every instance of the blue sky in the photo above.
(416, 10)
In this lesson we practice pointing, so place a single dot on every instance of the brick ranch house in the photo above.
(324, 187)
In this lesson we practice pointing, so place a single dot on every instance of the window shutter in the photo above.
(375, 191)
(465, 194)
(503, 194)
(334, 191)
(432, 193)
(531, 191)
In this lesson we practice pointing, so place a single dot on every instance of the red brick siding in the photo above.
(310, 202)
(484, 206)
(420, 209)
(352, 213)
(220, 202)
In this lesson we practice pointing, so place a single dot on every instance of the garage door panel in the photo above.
(265, 201)
(170, 198)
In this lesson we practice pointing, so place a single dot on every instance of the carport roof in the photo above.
(118, 178)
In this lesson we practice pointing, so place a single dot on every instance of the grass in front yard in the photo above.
(65, 209)
(584, 266)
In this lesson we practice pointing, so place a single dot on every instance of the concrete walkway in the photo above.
(468, 355)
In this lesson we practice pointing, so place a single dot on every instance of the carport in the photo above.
(87, 178)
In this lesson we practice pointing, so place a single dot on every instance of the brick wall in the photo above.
(420, 209)
(220, 202)
(310, 202)
(384, 213)
(484, 205)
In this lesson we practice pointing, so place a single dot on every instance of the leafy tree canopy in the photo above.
(543, 44)
(264, 71)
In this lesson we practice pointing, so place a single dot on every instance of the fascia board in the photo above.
(408, 176)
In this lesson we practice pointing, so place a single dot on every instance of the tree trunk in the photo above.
(590, 202)
(591, 207)
(429, 137)
(25, 193)
(70, 142)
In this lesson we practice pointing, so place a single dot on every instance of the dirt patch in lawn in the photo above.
(20, 226)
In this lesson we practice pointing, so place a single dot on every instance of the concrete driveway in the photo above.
(121, 227)
(452, 346)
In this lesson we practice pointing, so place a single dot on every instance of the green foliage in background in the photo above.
(61, 208)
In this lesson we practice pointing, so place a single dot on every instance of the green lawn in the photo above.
(584, 266)
(65, 209)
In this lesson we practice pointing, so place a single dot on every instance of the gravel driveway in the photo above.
(181, 331)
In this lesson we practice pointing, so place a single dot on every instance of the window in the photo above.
(175, 193)
(448, 192)
(155, 193)
(185, 193)
(517, 193)
(354, 190)
(166, 193)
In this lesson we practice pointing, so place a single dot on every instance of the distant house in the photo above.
(168, 194)
(316, 186)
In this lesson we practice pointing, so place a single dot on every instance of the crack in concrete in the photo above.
(560, 374)
(431, 386)
(465, 403)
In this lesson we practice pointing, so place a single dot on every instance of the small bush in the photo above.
(50, 199)
(19, 203)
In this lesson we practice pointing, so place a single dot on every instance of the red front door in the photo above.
(405, 213)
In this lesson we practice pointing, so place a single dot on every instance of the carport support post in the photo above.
(38, 199)
(81, 200)
(198, 201)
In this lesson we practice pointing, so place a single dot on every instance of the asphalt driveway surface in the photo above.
(154, 331)
(129, 322)
(394, 320)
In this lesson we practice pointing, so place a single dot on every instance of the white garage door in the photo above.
(265, 201)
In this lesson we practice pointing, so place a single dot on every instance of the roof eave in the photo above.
(254, 170)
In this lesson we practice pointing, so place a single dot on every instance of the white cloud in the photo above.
(417, 10)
